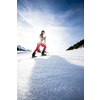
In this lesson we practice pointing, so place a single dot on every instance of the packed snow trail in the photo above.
(51, 77)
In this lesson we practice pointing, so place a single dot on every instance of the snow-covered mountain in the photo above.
(58, 76)
(19, 48)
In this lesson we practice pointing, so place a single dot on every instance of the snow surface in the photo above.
(58, 76)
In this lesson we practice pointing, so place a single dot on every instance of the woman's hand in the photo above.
(44, 37)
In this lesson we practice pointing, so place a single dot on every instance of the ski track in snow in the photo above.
(59, 76)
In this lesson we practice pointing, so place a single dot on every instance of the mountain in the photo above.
(77, 45)
(20, 48)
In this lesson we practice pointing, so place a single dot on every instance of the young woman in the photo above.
(40, 44)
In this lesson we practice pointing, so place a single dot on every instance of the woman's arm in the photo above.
(44, 38)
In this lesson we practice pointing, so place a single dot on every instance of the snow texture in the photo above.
(58, 76)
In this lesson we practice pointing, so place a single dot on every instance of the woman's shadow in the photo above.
(55, 79)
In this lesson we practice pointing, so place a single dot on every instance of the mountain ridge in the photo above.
(77, 45)
(20, 48)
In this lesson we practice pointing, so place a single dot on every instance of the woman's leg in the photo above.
(38, 45)
(41, 44)
(43, 54)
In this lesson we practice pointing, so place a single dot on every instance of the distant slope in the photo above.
(77, 45)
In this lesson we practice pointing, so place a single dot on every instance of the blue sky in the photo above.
(62, 20)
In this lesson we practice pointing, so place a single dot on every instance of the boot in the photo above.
(43, 54)
(33, 54)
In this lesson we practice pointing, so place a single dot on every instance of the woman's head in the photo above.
(42, 31)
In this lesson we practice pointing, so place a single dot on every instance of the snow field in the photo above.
(59, 76)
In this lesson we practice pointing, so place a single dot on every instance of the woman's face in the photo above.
(43, 32)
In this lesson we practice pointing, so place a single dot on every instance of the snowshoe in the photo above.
(33, 55)
(43, 54)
